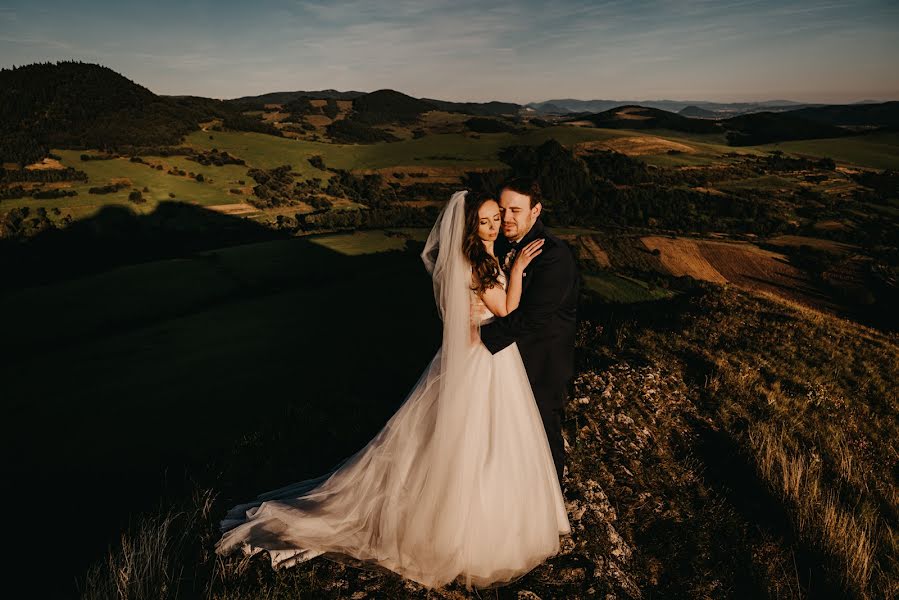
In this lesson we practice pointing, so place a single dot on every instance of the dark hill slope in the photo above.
(741, 130)
(82, 105)
(766, 127)
(633, 116)
(697, 112)
(483, 109)
(884, 114)
(386, 106)
(285, 97)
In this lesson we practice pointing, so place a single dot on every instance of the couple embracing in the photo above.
(463, 482)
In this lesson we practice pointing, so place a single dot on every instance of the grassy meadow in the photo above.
(872, 150)
(615, 288)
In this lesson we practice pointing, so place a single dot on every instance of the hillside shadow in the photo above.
(116, 236)
(241, 368)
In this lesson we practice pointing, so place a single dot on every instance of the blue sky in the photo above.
(519, 52)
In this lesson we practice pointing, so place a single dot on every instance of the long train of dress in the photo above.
(484, 514)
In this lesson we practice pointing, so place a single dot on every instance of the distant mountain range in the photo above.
(754, 128)
(702, 109)
(493, 108)
(731, 108)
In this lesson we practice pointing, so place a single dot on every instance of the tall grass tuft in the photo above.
(149, 561)
(849, 537)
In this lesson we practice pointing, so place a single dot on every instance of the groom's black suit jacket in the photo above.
(544, 322)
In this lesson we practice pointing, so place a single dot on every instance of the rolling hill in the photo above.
(285, 97)
(765, 127)
(484, 109)
(725, 108)
(81, 105)
(697, 112)
(742, 130)
(642, 117)
(881, 114)
(385, 106)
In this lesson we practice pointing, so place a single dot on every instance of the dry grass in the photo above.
(636, 145)
(240, 208)
(275, 117)
(817, 243)
(682, 256)
(148, 563)
(812, 398)
(830, 225)
(739, 263)
(632, 114)
(594, 252)
(796, 475)
(318, 120)
(46, 164)
(755, 269)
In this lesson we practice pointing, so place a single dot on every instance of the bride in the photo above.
(460, 484)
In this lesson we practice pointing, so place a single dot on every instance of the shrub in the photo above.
(108, 189)
(351, 132)
(54, 193)
(485, 125)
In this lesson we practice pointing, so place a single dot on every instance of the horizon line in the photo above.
(557, 98)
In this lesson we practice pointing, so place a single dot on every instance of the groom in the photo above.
(544, 323)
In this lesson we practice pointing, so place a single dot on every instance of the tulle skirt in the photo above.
(456, 488)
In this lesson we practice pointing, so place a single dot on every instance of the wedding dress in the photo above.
(460, 482)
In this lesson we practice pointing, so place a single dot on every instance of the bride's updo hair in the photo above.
(484, 267)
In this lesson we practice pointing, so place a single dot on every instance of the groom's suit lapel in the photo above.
(535, 232)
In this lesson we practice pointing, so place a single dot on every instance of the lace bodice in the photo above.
(481, 311)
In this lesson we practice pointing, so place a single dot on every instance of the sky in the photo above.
(829, 52)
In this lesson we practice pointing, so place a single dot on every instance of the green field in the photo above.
(267, 151)
(367, 242)
(615, 288)
(874, 150)
(159, 183)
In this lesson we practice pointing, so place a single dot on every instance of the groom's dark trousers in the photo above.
(543, 326)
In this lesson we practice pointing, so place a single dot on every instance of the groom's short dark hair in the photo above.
(526, 186)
